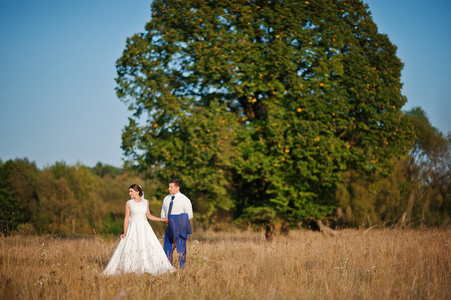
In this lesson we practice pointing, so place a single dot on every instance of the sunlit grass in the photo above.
(304, 265)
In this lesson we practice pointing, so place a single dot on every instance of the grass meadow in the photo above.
(355, 264)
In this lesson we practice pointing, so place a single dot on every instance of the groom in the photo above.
(178, 209)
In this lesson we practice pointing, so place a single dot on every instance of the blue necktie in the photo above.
(170, 205)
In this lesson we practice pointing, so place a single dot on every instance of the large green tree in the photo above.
(262, 104)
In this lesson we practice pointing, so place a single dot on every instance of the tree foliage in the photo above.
(417, 193)
(262, 103)
(64, 199)
(18, 201)
(429, 166)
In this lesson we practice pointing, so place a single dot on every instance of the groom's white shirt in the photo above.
(181, 205)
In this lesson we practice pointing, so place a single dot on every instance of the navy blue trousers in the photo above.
(169, 245)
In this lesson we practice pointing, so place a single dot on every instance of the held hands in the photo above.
(166, 220)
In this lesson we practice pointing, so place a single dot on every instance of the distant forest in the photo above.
(64, 199)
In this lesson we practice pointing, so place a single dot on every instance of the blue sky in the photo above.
(57, 70)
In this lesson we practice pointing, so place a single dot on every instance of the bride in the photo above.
(139, 250)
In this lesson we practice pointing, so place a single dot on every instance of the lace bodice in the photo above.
(138, 210)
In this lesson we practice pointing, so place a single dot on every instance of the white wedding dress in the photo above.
(139, 251)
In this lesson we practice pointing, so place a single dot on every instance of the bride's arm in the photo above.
(127, 217)
(150, 216)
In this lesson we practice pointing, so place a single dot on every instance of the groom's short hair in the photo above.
(176, 181)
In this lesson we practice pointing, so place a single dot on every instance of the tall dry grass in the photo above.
(383, 264)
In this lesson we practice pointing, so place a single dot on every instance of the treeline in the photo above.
(63, 199)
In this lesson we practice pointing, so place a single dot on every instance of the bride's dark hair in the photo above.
(137, 188)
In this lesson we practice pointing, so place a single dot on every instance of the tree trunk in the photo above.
(407, 218)
(325, 230)
(270, 231)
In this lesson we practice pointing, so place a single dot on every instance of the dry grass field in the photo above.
(379, 264)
